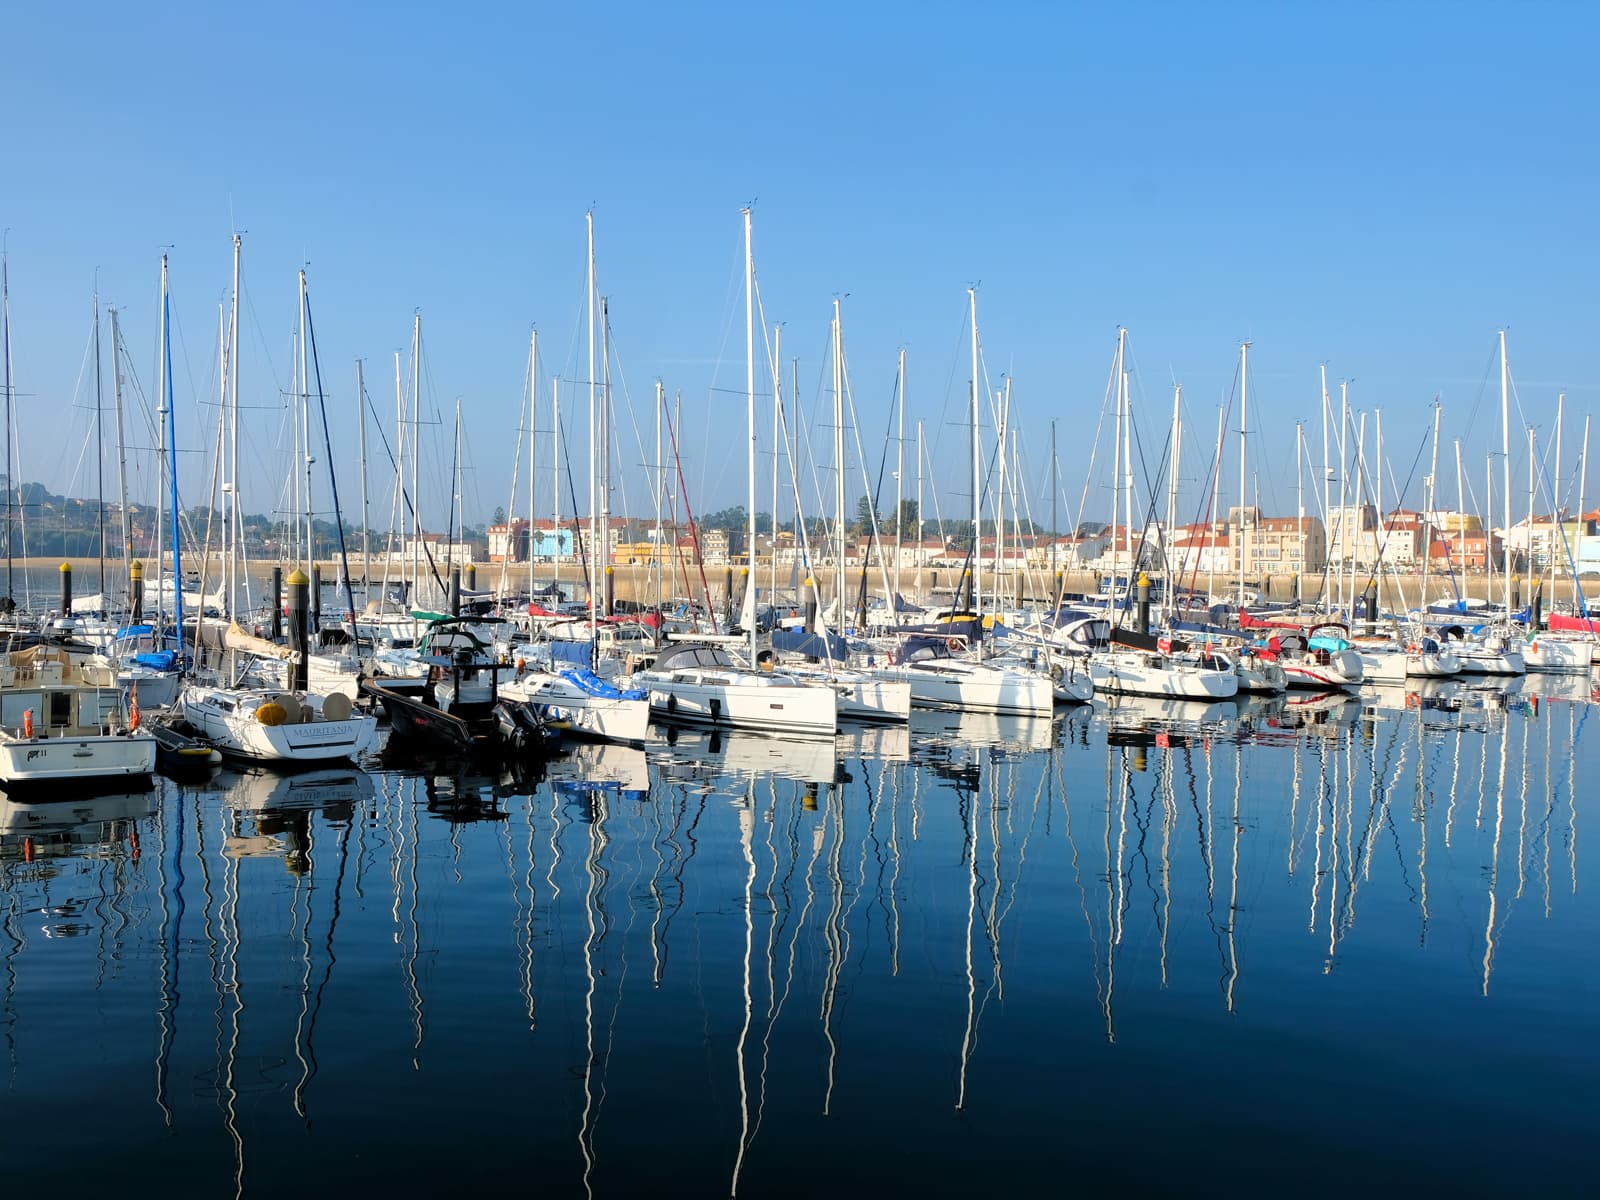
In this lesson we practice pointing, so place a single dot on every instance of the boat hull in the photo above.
(734, 705)
(71, 759)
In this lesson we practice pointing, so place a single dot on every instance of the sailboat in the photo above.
(263, 724)
(701, 684)
(580, 701)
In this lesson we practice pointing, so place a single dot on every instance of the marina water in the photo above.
(1312, 947)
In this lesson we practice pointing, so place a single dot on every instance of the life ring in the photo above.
(1413, 700)
(955, 645)
(1414, 648)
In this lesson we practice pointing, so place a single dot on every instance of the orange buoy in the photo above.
(133, 715)
(27, 722)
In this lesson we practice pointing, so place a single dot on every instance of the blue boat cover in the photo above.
(812, 645)
(589, 682)
(158, 660)
(577, 653)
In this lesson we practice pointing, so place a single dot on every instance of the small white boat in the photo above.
(54, 732)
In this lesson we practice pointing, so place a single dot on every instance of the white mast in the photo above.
(555, 420)
(1345, 555)
(1505, 447)
(1244, 416)
(122, 446)
(1116, 467)
(1583, 479)
(416, 446)
(660, 488)
(1127, 471)
(919, 511)
(1559, 539)
(838, 461)
(533, 449)
(899, 488)
(594, 479)
(747, 605)
(1299, 506)
(361, 429)
(232, 489)
(777, 434)
(399, 473)
(975, 591)
(1172, 496)
(1532, 484)
(1211, 533)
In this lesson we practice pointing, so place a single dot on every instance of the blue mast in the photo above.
(172, 457)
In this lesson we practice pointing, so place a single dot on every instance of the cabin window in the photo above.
(60, 708)
(14, 704)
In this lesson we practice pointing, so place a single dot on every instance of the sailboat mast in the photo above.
(1555, 496)
(399, 469)
(974, 588)
(1505, 448)
(750, 419)
(361, 432)
(533, 448)
(777, 443)
(1345, 555)
(1116, 469)
(602, 549)
(1055, 533)
(660, 487)
(899, 486)
(840, 541)
(1170, 590)
(171, 432)
(1244, 421)
(416, 446)
(122, 445)
(99, 450)
(5, 336)
(555, 471)
(594, 480)
(233, 445)
(1300, 505)
(919, 511)
(1583, 480)
(305, 426)
(1428, 512)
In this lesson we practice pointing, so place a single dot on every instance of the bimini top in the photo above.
(688, 655)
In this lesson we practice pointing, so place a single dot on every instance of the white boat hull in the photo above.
(610, 719)
(232, 726)
(741, 705)
(71, 758)
(1141, 674)
(974, 687)
(1559, 655)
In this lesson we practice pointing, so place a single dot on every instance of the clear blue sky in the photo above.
(1378, 187)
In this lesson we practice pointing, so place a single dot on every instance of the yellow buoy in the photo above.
(271, 713)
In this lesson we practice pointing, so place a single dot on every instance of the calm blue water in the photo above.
(1327, 949)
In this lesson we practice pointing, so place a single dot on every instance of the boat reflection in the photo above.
(1013, 734)
(682, 755)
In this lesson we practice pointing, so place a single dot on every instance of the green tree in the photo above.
(906, 526)
(864, 517)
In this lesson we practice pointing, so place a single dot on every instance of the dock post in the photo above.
(136, 590)
(316, 602)
(66, 591)
(455, 591)
(299, 615)
(608, 591)
(276, 631)
(1143, 618)
(811, 605)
